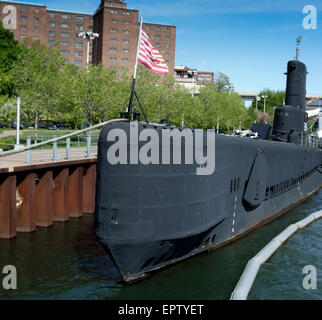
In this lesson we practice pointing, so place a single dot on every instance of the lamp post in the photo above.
(18, 124)
(89, 36)
(258, 99)
(265, 98)
(230, 88)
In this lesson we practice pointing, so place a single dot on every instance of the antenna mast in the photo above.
(299, 39)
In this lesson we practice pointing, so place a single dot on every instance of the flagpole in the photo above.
(135, 71)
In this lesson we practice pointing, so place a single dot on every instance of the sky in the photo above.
(249, 40)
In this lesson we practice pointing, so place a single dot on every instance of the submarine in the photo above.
(150, 216)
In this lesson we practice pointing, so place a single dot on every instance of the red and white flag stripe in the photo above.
(150, 56)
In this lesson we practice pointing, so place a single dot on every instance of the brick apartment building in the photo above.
(116, 24)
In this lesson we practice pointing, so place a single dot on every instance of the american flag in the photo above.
(150, 56)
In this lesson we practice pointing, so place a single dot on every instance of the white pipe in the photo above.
(248, 277)
(18, 122)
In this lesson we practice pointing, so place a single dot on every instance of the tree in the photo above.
(9, 53)
(274, 99)
(223, 83)
(36, 79)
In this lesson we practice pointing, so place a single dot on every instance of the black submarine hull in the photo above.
(151, 216)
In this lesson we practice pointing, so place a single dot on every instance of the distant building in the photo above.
(192, 79)
(116, 24)
(49, 26)
(249, 97)
(314, 104)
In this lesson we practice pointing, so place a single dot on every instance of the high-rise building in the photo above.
(119, 27)
(116, 25)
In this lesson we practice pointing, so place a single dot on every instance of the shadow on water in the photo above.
(67, 262)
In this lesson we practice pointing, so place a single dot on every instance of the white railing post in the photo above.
(67, 149)
(28, 160)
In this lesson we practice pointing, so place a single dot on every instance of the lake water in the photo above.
(67, 262)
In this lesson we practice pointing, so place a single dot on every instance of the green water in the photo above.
(67, 262)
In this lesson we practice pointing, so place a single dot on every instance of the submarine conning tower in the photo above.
(289, 119)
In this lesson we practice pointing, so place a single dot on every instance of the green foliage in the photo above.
(223, 83)
(50, 89)
(9, 54)
(274, 99)
(9, 49)
(7, 143)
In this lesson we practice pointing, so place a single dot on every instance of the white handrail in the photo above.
(11, 152)
(248, 277)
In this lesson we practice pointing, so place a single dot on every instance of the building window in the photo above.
(125, 50)
(113, 59)
(125, 41)
(147, 27)
(167, 45)
(65, 43)
(167, 38)
(23, 37)
(36, 19)
(157, 45)
(125, 60)
(113, 30)
(67, 60)
(127, 13)
(113, 49)
(52, 24)
(113, 40)
(126, 31)
(52, 15)
(114, 11)
(36, 38)
(23, 28)
(167, 54)
(114, 21)
(126, 22)
(79, 19)
(36, 10)
(51, 42)
(79, 63)
(79, 45)
(65, 34)
(65, 16)
(24, 9)
(157, 36)
(79, 28)
(157, 28)
(78, 54)
(90, 27)
(65, 25)
(36, 29)
(24, 18)
(51, 33)
(64, 52)
(168, 29)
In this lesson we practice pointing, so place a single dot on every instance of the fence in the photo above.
(80, 144)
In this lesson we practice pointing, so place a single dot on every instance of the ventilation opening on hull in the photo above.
(234, 185)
